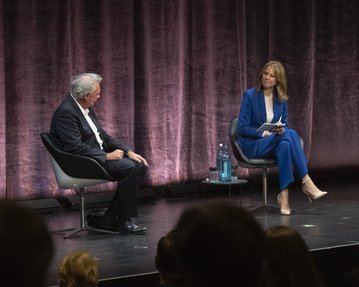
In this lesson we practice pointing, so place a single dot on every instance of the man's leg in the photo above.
(124, 203)
(64, 202)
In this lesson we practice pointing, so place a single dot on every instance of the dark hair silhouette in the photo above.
(26, 246)
(165, 260)
(290, 262)
(219, 244)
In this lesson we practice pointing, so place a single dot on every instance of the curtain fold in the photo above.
(2, 106)
(173, 77)
(297, 52)
(335, 105)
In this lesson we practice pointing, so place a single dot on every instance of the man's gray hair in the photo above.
(84, 84)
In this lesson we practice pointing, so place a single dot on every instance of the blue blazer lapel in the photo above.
(262, 106)
(277, 108)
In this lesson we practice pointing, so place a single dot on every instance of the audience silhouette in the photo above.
(290, 262)
(26, 246)
(78, 268)
(219, 244)
(166, 262)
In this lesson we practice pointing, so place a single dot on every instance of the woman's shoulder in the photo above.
(250, 92)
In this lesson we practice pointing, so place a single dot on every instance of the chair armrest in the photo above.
(75, 165)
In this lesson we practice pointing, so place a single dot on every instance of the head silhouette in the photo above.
(219, 244)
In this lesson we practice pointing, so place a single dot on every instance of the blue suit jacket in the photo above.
(253, 114)
(73, 134)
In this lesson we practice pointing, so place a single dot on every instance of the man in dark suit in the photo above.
(75, 129)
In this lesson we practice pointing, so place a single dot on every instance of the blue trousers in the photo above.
(287, 150)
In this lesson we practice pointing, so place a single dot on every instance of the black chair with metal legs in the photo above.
(244, 161)
(76, 172)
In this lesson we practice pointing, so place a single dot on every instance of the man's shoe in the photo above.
(64, 202)
(108, 221)
(128, 227)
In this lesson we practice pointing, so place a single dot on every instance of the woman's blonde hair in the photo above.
(279, 74)
(79, 268)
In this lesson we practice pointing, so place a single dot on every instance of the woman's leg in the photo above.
(289, 154)
(287, 150)
(299, 162)
(298, 157)
(283, 202)
(310, 189)
(284, 163)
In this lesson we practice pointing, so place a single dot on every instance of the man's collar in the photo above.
(84, 111)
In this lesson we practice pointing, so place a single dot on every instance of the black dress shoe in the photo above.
(108, 221)
(128, 227)
(64, 202)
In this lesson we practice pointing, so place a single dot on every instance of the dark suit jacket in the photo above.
(253, 114)
(72, 133)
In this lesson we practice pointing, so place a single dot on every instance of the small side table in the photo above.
(229, 184)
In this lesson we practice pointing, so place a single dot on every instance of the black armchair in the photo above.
(244, 161)
(75, 172)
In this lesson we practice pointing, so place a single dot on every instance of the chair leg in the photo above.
(265, 190)
(265, 193)
(83, 225)
(82, 216)
(265, 186)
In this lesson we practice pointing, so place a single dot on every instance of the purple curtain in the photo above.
(174, 72)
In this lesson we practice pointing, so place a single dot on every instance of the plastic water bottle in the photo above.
(219, 161)
(226, 166)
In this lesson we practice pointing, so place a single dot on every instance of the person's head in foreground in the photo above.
(78, 268)
(290, 262)
(219, 244)
(26, 246)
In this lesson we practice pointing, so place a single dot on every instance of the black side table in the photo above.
(229, 184)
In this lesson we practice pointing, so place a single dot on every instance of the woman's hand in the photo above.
(266, 133)
(278, 130)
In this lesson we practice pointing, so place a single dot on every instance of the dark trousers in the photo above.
(129, 173)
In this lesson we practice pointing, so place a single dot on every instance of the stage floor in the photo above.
(328, 223)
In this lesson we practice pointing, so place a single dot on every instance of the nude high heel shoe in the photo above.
(283, 211)
(310, 189)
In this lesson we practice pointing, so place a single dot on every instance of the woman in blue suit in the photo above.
(267, 103)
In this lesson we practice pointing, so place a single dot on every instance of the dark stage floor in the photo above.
(327, 225)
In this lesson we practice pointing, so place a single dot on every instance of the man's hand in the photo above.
(119, 154)
(115, 155)
(136, 157)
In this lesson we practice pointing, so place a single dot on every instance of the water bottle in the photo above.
(226, 166)
(219, 161)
